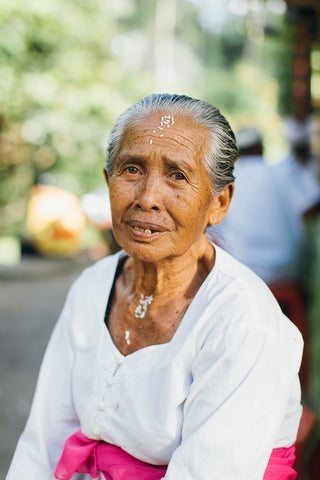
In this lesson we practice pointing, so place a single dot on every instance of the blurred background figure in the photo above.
(264, 225)
(298, 133)
(299, 173)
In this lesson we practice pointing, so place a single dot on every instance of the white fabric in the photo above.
(297, 131)
(299, 181)
(213, 402)
(263, 227)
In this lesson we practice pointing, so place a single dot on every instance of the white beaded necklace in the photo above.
(139, 312)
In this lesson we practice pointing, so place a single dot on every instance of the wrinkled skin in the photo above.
(161, 200)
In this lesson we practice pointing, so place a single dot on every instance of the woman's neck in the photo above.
(171, 277)
(152, 298)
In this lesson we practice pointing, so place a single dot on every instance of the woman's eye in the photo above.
(132, 170)
(179, 176)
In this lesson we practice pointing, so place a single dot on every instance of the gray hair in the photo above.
(223, 152)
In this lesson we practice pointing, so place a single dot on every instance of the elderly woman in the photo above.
(170, 358)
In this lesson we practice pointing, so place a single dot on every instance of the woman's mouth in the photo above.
(144, 230)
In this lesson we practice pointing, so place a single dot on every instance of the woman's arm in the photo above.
(244, 381)
(52, 418)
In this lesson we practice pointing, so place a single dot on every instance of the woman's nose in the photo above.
(149, 194)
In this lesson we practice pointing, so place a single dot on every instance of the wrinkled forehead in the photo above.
(166, 127)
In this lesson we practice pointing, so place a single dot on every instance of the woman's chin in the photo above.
(144, 253)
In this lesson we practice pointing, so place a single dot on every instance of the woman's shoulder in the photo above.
(237, 277)
(87, 298)
(105, 267)
(94, 281)
(246, 295)
(244, 307)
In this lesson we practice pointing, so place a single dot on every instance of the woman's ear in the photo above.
(106, 176)
(220, 204)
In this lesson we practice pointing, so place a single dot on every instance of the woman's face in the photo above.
(160, 192)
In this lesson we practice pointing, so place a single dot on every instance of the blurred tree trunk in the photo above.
(164, 50)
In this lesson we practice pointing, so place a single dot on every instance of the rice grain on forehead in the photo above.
(223, 151)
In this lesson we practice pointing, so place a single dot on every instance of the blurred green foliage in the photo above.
(69, 67)
(61, 89)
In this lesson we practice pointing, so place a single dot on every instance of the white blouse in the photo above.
(212, 403)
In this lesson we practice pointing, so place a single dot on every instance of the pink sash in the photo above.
(84, 455)
(280, 464)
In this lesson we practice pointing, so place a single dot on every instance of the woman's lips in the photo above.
(146, 229)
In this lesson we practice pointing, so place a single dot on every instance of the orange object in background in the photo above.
(55, 221)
